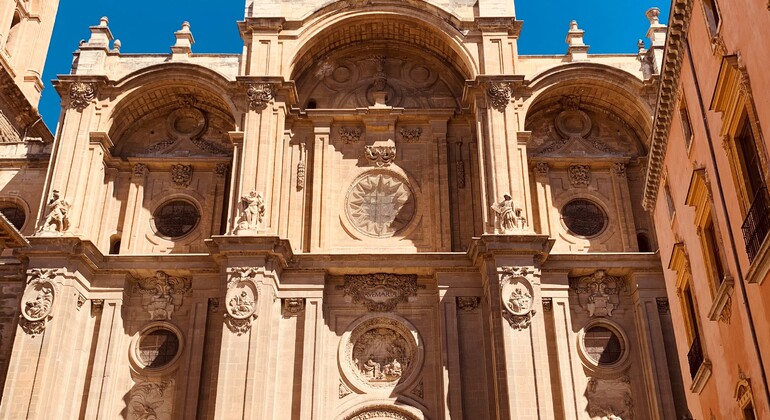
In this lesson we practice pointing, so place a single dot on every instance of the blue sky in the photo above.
(143, 26)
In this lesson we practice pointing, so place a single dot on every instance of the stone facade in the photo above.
(379, 211)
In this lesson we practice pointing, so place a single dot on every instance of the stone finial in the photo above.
(100, 34)
(640, 46)
(577, 49)
(116, 46)
(657, 31)
(184, 40)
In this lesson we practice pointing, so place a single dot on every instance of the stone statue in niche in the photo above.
(57, 215)
(381, 355)
(252, 211)
(509, 215)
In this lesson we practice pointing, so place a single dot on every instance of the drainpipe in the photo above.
(733, 247)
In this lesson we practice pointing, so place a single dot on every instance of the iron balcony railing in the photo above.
(757, 223)
(695, 357)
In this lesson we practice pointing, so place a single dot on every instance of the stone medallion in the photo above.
(186, 122)
(380, 204)
(518, 297)
(380, 353)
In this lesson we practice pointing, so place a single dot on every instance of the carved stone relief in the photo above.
(350, 135)
(162, 294)
(380, 353)
(580, 175)
(344, 391)
(81, 94)
(221, 169)
(252, 212)
(500, 95)
(140, 171)
(411, 135)
(380, 204)
(181, 175)
(56, 220)
(150, 400)
(510, 216)
(81, 300)
(542, 169)
(598, 293)
(37, 300)
(468, 303)
(380, 292)
(517, 294)
(241, 299)
(663, 307)
(610, 399)
(619, 169)
(380, 156)
(293, 306)
(259, 95)
(381, 413)
(419, 390)
(301, 168)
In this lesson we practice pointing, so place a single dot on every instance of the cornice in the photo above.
(667, 93)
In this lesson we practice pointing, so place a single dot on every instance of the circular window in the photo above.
(583, 218)
(14, 214)
(176, 218)
(157, 348)
(602, 345)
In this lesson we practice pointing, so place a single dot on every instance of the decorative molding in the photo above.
(547, 304)
(380, 292)
(181, 175)
(344, 391)
(380, 156)
(241, 298)
(663, 308)
(162, 293)
(259, 95)
(97, 305)
(542, 169)
(301, 169)
(580, 175)
(252, 212)
(618, 169)
(140, 170)
(81, 94)
(419, 390)
(518, 295)
(499, 95)
(293, 306)
(56, 220)
(81, 301)
(598, 293)
(220, 170)
(721, 307)
(350, 135)
(701, 377)
(411, 135)
(468, 303)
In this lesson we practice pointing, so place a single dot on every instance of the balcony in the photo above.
(757, 223)
(695, 357)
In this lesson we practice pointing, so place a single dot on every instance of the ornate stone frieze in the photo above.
(580, 175)
(411, 135)
(181, 175)
(293, 306)
(38, 300)
(380, 156)
(380, 292)
(618, 169)
(350, 135)
(151, 400)
(81, 94)
(510, 216)
(499, 95)
(56, 220)
(468, 303)
(221, 169)
(241, 299)
(610, 399)
(162, 293)
(259, 95)
(140, 170)
(598, 293)
(252, 212)
(517, 296)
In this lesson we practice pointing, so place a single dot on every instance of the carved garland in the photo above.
(38, 299)
(380, 156)
(380, 292)
(241, 299)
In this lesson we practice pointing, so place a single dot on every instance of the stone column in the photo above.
(544, 196)
(441, 183)
(134, 207)
(108, 357)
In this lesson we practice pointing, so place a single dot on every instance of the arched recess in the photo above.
(384, 410)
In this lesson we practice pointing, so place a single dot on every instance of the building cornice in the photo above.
(669, 86)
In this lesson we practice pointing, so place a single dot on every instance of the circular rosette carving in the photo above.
(380, 353)
(241, 300)
(380, 204)
(37, 302)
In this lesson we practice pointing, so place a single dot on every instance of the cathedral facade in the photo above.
(380, 210)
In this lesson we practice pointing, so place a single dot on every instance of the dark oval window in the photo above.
(602, 345)
(157, 348)
(14, 214)
(583, 218)
(176, 218)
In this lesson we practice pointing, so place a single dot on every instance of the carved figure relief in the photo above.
(81, 94)
(259, 95)
(580, 175)
(56, 219)
(380, 156)
(610, 399)
(37, 300)
(598, 293)
(499, 95)
(380, 292)
(380, 353)
(150, 400)
(518, 297)
(509, 215)
(380, 204)
(181, 175)
(252, 212)
(241, 299)
(162, 294)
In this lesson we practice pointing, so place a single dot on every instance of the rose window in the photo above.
(380, 204)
